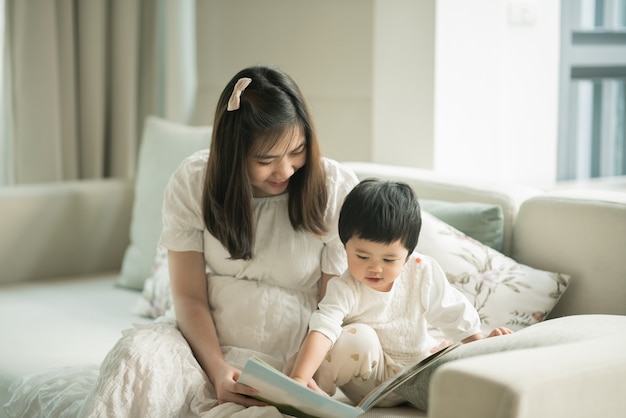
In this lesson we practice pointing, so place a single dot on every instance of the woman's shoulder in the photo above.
(193, 166)
(335, 170)
(186, 181)
(196, 161)
(338, 174)
(339, 181)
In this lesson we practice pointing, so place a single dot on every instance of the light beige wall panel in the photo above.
(326, 46)
(343, 127)
(403, 82)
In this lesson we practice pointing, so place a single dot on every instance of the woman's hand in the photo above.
(228, 390)
(189, 292)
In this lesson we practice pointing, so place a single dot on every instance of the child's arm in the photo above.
(312, 352)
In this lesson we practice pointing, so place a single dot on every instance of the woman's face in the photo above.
(269, 171)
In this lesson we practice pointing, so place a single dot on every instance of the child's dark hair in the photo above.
(271, 106)
(381, 211)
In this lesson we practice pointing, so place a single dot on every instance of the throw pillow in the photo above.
(156, 298)
(164, 145)
(482, 221)
(504, 292)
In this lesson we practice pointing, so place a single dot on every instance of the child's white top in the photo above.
(420, 296)
(260, 306)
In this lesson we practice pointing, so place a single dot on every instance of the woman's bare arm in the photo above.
(189, 293)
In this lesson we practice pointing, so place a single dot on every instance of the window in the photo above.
(592, 128)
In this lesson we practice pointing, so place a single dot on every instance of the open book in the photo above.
(292, 398)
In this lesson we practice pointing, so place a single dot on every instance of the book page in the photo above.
(289, 396)
(394, 382)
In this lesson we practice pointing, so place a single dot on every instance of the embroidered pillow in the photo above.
(156, 297)
(504, 292)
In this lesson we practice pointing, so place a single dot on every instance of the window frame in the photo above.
(588, 53)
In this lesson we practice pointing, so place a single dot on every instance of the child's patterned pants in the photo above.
(357, 364)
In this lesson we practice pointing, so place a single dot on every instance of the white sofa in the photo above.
(62, 247)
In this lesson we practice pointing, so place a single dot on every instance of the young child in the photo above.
(374, 318)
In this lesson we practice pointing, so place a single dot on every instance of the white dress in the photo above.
(260, 306)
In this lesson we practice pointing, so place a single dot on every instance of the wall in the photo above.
(403, 82)
(325, 45)
(496, 95)
(457, 86)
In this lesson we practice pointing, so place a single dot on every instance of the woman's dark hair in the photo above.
(381, 211)
(271, 106)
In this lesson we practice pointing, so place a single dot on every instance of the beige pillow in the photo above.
(504, 292)
(164, 145)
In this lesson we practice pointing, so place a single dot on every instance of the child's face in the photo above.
(269, 172)
(375, 264)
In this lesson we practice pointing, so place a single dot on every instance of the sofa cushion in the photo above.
(164, 145)
(581, 232)
(61, 323)
(504, 292)
(482, 221)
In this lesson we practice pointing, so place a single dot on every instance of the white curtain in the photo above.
(82, 77)
(6, 164)
(176, 49)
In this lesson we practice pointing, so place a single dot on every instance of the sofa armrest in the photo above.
(581, 233)
(580, 379)
(63, 229)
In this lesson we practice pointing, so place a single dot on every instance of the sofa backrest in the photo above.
(431, 185)
(63, 229)
(581, 233)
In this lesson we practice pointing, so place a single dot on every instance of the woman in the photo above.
(250, 229)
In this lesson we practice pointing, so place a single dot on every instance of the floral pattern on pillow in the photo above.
(504, 292)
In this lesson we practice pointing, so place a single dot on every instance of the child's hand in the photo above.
(495, 333)
(441, 346)
(311, 384)
(500, 331)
